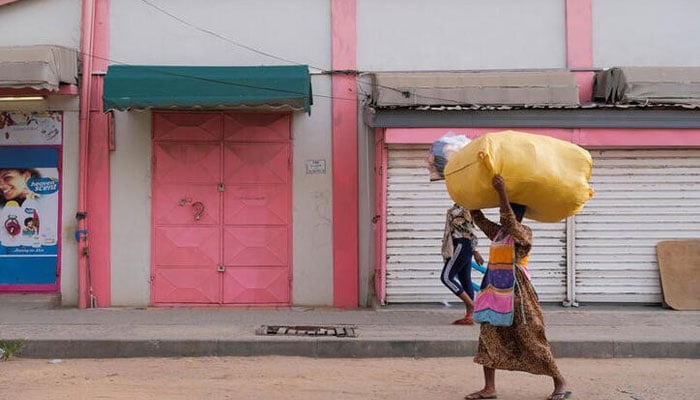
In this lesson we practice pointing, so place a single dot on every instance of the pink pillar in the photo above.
(344, 152)
(579, 44)
(94, 254)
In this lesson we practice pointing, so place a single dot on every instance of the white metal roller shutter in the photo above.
(415, 221)
(641, 197)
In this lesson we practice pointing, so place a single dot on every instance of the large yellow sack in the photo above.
(548, 175)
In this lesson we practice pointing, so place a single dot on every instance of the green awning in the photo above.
(279, 87)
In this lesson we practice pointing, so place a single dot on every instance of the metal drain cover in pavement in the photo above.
(292, 330)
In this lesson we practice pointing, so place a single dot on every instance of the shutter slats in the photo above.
(641, 197)
(415, 220)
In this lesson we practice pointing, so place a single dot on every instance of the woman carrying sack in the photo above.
(522, 345)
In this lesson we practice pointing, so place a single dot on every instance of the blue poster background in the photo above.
(27, 256)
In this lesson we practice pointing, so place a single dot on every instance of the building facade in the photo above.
(272, 153)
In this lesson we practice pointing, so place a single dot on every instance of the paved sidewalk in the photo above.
(394, 331)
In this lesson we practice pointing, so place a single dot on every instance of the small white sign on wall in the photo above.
(34, 128)
(315, 167)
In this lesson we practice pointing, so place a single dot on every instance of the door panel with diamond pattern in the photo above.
(221, 208)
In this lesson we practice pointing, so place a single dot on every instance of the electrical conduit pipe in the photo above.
(86, 50)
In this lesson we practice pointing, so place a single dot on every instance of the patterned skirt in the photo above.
(522, 346)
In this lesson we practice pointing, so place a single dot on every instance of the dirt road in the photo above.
(291, 378)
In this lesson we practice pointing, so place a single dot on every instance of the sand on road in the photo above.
(290, 378)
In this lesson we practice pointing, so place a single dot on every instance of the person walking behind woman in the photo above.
(523, 346)
(459, 243)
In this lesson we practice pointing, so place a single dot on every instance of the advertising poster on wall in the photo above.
(42, 128)
(29, 198)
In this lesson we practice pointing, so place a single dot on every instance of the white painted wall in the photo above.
(294, 30)
(69, 193)
(221, 32)
(414, 35)
(646, 33)
(130, 197)
(55, 22)
(313, 201)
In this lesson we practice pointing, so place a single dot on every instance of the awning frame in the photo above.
(428, 88)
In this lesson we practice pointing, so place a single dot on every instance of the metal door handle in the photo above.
(198, 207)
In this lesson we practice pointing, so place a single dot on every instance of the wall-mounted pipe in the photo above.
(86, 54)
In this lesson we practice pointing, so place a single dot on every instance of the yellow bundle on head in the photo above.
(548, 175)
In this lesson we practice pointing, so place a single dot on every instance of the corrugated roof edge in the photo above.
(491, 107)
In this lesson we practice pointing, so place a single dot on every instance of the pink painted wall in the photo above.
(344, 152)
(589, 138)
(94, 182)
(579, 45)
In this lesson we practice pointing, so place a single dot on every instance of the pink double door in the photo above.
(221, 208)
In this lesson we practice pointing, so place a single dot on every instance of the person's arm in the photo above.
(489, 228)
(520, 233)
(499, 184)
(478, 257)
(448, 224)
(447, 245)
(471, 231)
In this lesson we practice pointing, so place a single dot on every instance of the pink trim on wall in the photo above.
(94, 193)
(579, 33)
(344, 153)
(579, 44)
(429, 135)
(627, 138)
(47, 288)
(584, 81)
(99, 204)
(609, 138)
(61, 176)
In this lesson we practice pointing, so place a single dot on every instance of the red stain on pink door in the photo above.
(221, 208)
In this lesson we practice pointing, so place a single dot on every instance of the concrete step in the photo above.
(30, 301)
